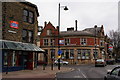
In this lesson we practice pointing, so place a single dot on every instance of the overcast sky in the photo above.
(87, 12)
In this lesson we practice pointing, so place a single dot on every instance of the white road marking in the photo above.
(82, 74)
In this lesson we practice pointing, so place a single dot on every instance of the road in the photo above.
(85, 72)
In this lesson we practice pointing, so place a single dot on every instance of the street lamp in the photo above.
(65, 8)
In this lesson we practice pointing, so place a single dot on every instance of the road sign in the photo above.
(59, 56)
(59, 52)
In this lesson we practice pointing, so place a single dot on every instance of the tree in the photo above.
(115, 39)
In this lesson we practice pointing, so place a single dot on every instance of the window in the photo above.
(30, 36)
(5, 59)
(25, 15)
(28, 16)
(71, 54)
(67, 54)
(49, 32)
(63, 54)
(85, 54)
(31, 17)
(45, 42)
(24, 35)
(52, 42)
(95, 54)
(52, 51)
(79, 54)
(83, 41)
(115, 72)
(101, 42)
(67, 41)
(27, 36)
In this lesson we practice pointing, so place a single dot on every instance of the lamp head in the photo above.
(65, 8)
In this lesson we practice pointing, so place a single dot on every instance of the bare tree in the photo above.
(115, 39)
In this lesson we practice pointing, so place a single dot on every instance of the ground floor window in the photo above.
(52, 52)
(83, 54)
(71, 53)
(95, 54)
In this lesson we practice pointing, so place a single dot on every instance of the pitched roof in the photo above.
(85, 32)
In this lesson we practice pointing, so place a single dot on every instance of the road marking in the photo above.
(82, 74)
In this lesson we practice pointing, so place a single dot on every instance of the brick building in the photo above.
(19, 35)
(76, 46)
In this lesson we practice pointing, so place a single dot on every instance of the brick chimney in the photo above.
(45, 23)
(76, 25)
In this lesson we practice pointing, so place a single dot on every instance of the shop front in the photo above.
(19, 56)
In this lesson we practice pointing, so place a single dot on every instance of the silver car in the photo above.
(61, 62)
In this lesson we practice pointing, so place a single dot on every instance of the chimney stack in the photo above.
(45, 23)
(76, 25)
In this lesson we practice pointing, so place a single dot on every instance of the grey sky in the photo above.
(88, 13)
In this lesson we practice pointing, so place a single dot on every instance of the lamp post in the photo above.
(65, 8)
(95, 42)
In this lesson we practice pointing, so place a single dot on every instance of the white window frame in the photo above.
(83, 41)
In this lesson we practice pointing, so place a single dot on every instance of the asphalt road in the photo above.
(85, 72)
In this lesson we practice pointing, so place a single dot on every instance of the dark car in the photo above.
(110, 61)
(114, 74)
(117, 60)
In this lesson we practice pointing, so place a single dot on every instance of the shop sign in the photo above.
(14, 24)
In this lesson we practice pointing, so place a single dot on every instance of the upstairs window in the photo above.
(27, 36)
(49, 32)
(67, 41)
(45, 42)
(52, 42)
(83, 41)
(28, 16)
(101, 42)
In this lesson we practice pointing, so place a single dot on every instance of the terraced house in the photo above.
(79, 47)
(19, 34)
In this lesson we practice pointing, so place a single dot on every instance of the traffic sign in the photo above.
(59, 52)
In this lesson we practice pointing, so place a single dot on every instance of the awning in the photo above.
(13, 45)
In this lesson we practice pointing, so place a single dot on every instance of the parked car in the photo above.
(100, 62)
(110, 61)
(117, 60)
(61, 62)
(113, 74)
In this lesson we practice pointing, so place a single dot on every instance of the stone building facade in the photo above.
(19, 35)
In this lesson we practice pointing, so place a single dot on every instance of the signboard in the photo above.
(61, 41)
(14, 24)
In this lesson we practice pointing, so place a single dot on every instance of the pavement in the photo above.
(37, 72)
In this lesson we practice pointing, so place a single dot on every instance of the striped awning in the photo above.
(13, 45)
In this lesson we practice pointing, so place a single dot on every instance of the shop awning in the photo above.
(12, 45)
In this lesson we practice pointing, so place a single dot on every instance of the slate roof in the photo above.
(85, 32)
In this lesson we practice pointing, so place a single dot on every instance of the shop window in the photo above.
(67, 54)
(83, 41)
(71, 54)
(28, 16)
(52, 52)
(63, 54)
(95, 54)
(45, 42)
(5, 59)
(67, 41)
(79, 54)
(85, 54)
